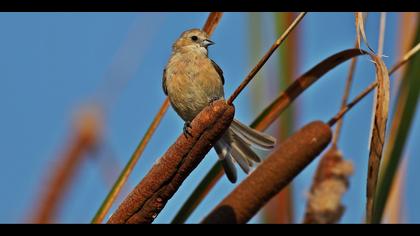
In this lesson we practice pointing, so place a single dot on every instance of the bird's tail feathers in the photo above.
(253, 137)
(235, 145)
(223, 150)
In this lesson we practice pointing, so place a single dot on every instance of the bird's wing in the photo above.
(219, 71)
(165, 90)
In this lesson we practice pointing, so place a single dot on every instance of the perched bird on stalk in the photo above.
(192, 81)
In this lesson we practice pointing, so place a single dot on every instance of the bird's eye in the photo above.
(194, 38)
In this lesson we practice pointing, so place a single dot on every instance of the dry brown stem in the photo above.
(265, 58)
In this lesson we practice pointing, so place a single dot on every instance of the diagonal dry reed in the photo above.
(122, 178)
(209, 26)
(149, 197)
(406, 58)
(345, 98)
(265, 58)
(351, 104)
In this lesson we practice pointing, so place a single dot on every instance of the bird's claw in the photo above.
(187, 125)
(213, 99)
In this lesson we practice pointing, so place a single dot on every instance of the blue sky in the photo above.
(54, 63)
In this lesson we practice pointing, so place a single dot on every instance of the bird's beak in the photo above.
(206, 43)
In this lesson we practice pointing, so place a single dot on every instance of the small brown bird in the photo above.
(192, 81)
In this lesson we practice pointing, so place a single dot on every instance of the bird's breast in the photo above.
(192, 83)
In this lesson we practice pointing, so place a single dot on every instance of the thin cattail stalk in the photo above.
(349, 81)
(347, 108)
(122, 179)
(265, 58)
(345, 98)
(381, 34)
(406, 58)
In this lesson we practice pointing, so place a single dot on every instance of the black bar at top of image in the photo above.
(207, 5)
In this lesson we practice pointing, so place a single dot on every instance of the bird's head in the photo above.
(194, 39)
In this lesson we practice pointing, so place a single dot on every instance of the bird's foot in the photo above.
(187, 125)
(212, 100)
